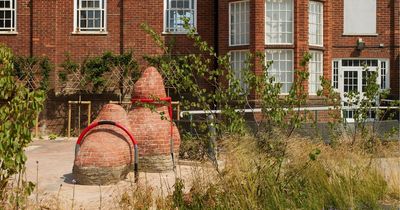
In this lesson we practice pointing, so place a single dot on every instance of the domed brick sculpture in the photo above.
(106, 154)
(153, 133)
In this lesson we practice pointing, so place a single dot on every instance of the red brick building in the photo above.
(340, 34)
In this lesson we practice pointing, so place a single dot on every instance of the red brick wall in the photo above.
(344, 46)
(53, 24)
(21, 42)
(53, 27)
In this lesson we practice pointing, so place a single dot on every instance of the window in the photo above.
(359, 62)
(239, 23)
(7, 16)
(279, 22)
(315, 23)
(384, 75)
(90, 16)
(281, 68)
(350, 81)
(176, 11)
(316, 71)
(238, 64)
(335, 79)
(360, 17)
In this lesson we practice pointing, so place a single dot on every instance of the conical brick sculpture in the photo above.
(153, 133)
(106, 154)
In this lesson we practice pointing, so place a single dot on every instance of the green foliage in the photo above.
(96, 70)
(127, 66)
(332, 98)
(186, 73)
(19, 107)
(93, 70)
(35, 71)
(363, 105)
(53, 136)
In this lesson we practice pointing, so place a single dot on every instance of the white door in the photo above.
(352, 77)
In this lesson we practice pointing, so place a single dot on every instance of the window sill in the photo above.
(316, 46)
(99, 33)
(345, 34)
(279, 44)
(239, 45)
(176, 33)
(8, 33)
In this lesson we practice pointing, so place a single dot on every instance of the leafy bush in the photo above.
(94, 72)
(19, 107)
(34, 71)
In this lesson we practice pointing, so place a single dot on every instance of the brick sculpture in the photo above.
(152, 133)
(106, 154)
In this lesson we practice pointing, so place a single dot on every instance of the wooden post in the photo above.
(37, 126)
(78, 103)
(69, 119)
(79, 113)
(179, 111)
(89, 111)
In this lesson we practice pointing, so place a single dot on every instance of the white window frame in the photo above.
(319, 16)
(387, 75)
(13, 10)
(266, 24)
(181, 31)
(243, 84)
(240, 28)
(317, 73)
(271, 72)
(336, 64)
(101, 30)
(371, 68)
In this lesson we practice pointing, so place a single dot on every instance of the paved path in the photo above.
(55, 161)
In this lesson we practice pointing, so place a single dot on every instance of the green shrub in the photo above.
(53, 136)
(19, 107)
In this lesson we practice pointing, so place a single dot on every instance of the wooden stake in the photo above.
(69, 119)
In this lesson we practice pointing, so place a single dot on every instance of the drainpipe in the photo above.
(30, 29)
(216, 37)
(216, 28)
(121, 27)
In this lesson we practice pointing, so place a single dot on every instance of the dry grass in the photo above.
(293, 173)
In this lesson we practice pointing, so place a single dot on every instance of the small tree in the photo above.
(19, 107)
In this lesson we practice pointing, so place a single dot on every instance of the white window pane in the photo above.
(239, 23)
(238, 65)
(316, 71)
(279, 22)
(91, 15)
(7, 16)
(176, 11)
(281, 69)
(315, 25)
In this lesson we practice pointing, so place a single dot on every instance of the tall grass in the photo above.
(305, 176)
